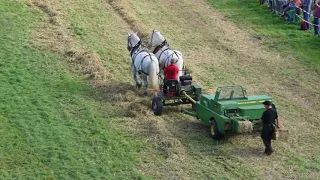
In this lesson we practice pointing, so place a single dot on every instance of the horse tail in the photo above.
(154, 71)
(179, 62)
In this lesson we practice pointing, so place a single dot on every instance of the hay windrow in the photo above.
(125, 11)
(54, 35)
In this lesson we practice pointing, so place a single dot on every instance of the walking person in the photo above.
(269, 120)
(288, 7)
(306, 4)
(316, 21)
(270, 4)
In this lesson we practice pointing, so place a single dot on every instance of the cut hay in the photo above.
(245, 127)
(54, 35)
(282, 134)
(89, 63)
(123, 8)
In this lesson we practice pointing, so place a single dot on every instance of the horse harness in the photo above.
(140, 70)
(161, 46)
(134, 48)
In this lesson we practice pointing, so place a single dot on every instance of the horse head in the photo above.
(156, 39)
(133, 41)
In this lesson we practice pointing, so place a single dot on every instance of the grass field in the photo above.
(53, 124)
(272, 30)
(68, 109)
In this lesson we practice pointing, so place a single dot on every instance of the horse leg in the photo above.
(137, 83)
(145, 84)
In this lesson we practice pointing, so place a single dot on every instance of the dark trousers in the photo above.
(165, 86)
(317, 28)
(270, 3)
(266, 135)
(306, 16)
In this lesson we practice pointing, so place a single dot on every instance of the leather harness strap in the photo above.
(163, 52)
(141, 69)
(176, 53)
(134, 57)
(160, 46)
(134, 48)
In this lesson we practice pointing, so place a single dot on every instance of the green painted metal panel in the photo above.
(197, 89)
(230, 110)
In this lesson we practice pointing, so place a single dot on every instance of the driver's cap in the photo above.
(267, 103)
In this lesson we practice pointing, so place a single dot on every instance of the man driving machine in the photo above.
(170, 73)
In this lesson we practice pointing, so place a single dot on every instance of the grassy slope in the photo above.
(165, 152)
(218, 53)
(53, 125)
(289, 39)
(172, 147)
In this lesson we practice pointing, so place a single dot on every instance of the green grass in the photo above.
(56, 126)
(53, 124)
(285, 38)
(272, 29)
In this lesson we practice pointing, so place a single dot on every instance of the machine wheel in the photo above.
(193, 105)
(214, 131)
(157, 106)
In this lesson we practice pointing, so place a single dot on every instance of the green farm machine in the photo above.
(230, 109)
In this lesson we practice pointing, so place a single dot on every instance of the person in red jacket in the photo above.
(170, 73)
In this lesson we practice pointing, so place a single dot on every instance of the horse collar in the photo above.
(160, 46)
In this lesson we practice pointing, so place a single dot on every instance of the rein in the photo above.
(174, 52)
(163, 52)
(134, 57)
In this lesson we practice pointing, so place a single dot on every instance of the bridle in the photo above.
(132, 48)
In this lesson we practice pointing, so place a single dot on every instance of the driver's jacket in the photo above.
(171, 72)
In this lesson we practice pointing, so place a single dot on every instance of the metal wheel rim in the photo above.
(212, 129)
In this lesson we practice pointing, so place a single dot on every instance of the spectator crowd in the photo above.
(291, 10)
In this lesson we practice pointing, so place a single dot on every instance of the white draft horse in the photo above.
(164, 53)
(143, 63)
